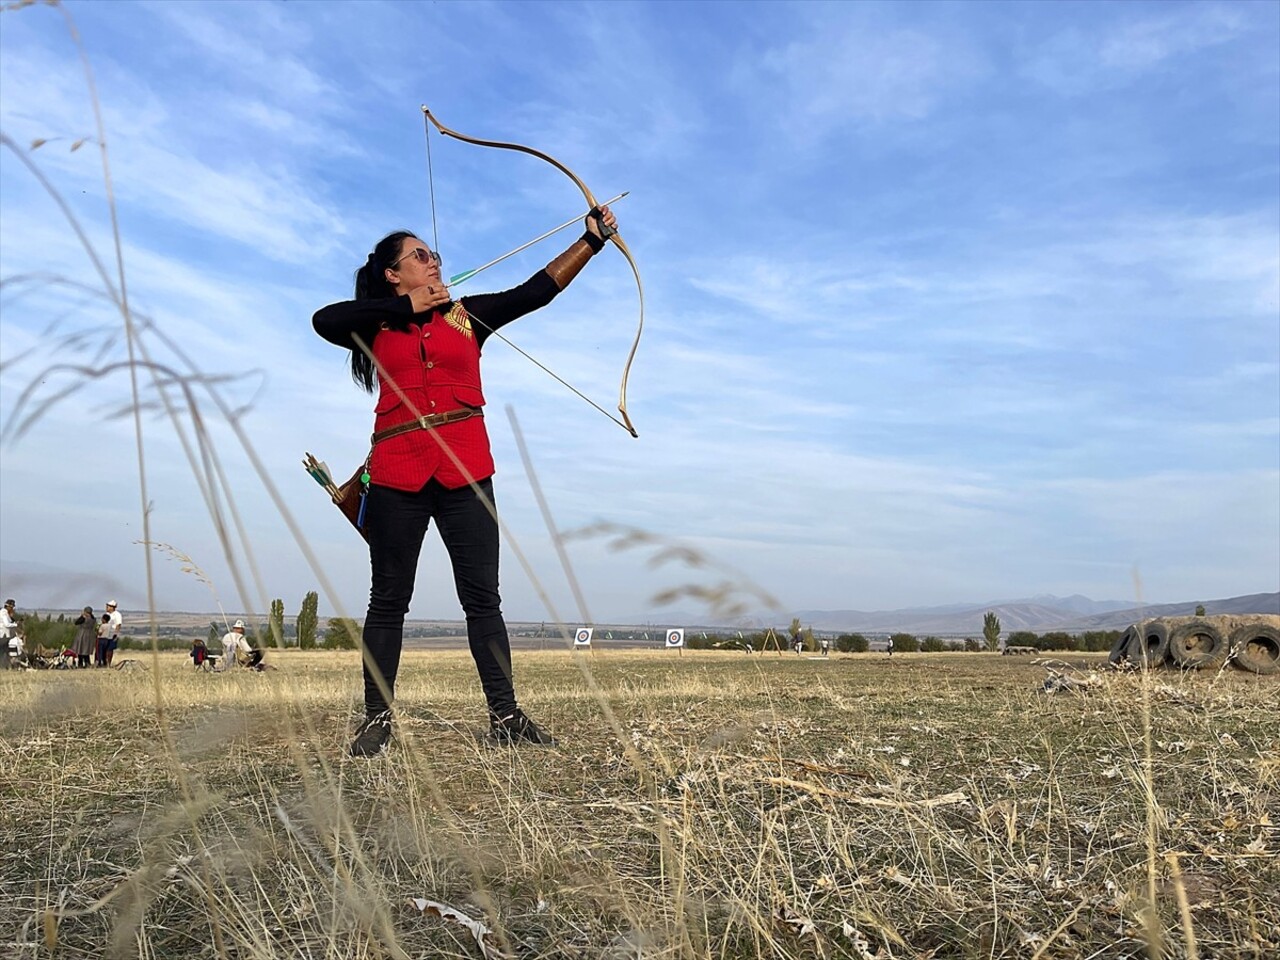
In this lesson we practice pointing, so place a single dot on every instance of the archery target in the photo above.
(675, 638)
(583, 637)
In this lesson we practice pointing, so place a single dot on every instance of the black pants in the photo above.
(396, 523)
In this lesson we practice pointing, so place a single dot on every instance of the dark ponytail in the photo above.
(372, 284)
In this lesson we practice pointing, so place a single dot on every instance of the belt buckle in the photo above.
(424, 421)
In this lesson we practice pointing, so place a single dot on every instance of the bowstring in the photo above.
(545, 369)
(435, 235)
(431, 187)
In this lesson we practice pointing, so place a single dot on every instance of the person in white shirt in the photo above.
(231, 642)
(8, 630)
(110, 635)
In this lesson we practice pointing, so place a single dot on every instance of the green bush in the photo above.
(342, 633)
(1097, 640)
(852, 643)
(933, 645)
(1057, 641)
(47, 632)
(904, 643)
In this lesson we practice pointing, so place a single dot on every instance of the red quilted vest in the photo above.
(437, 368)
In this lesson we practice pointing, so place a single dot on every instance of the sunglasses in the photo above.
(421, 254)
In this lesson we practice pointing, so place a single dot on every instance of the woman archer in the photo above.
(431, 459)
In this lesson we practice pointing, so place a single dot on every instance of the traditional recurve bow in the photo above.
(605, 231)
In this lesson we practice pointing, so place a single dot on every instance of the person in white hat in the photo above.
(110, 635)
(233, 642)
(8, 630)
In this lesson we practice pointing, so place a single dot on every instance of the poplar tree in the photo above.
(991, 630)
(307, 621)
(275, 625)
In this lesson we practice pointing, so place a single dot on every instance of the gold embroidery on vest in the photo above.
(458, 318)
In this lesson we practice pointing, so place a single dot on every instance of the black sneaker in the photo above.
(373, 735)
(516, 728)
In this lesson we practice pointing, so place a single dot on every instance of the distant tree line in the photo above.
(343, 634)
(762, 640)
(1090, 640)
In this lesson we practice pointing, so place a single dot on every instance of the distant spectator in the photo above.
(113, 623)
(100, 644)
(890, 645)
(231, 640)
(237, 652)
(199, 653)
(246, 656)
(8, 631)
(825, 646)
(86, 639)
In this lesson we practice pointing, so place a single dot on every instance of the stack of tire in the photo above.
(1250, 642)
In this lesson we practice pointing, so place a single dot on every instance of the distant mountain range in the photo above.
(37, 586)
(1039, 614)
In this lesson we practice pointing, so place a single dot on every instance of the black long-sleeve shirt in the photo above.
(489, 311)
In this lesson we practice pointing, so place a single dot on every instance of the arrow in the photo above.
(468, 274)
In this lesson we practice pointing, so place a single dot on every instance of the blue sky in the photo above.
(945, 302)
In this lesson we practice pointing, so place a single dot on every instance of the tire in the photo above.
(1149, 645)
(1119, 649)
(1198, 644)
(1256, 648)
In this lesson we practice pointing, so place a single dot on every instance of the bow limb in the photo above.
(626, 370)
(591, 204)
(503, 145)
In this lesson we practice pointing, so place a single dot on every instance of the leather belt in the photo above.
(428, 422)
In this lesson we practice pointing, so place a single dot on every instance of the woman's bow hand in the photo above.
(602, 215)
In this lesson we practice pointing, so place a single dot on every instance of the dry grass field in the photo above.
(713, 805)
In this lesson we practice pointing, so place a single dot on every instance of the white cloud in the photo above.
(852, 71)
(258, 47)
(158, 172)
(1142, 44)
(1106, 53)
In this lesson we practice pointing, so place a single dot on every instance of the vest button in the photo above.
(430, 364)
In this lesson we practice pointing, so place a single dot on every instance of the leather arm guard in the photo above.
(570, 263)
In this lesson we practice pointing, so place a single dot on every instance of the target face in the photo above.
(675, 638)
(583, 637)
